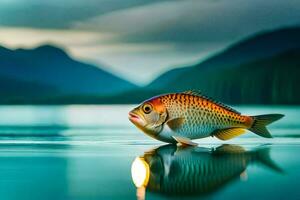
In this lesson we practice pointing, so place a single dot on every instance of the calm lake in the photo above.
(86, 152)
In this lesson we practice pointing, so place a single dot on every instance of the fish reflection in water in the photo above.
(186, 171)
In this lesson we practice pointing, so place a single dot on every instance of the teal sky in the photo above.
(139, 39)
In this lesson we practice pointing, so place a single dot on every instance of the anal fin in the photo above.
(184, 141)
(226, 134)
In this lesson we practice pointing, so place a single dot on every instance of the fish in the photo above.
(173, 170)
(182, 117)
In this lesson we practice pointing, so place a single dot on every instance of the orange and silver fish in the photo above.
(191, 115)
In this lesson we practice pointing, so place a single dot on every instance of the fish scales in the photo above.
(202, 116)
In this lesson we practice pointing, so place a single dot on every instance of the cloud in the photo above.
(185, 31)
(29, 37)
(193, 21)
(57, 14)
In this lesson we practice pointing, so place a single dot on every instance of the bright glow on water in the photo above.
(139, 172)
(86, 152)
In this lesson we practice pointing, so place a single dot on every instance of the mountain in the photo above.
(14, 90)
(262, 45)
(49, 71)
(261, 69)
(270, 80)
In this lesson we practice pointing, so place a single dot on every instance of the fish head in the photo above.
(149, 116)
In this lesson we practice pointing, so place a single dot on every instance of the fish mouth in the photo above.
(134, 118)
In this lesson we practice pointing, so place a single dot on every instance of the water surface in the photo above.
(86, 152)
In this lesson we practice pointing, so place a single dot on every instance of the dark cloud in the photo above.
(58, 13)
(196, 21)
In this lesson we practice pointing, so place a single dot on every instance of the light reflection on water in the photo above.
(195, 171)
(86, 152)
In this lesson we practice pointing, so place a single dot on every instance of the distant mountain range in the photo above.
(264, 68)
(257, 47)
(47, 72)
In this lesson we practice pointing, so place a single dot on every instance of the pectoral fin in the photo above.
(226, 134)
(184, 141)
(175, 124)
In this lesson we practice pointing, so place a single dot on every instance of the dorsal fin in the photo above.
(199, 94)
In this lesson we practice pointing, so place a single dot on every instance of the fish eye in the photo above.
(147, 108)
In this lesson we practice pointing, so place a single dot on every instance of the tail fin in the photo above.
(260, 123)
(263, 156)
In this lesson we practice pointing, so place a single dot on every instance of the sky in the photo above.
(140, 39)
